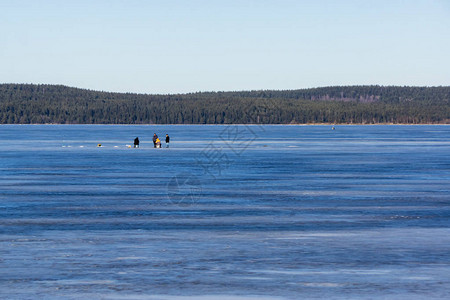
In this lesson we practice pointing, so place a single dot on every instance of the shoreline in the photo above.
(239, 124)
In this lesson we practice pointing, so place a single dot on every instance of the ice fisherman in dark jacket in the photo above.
(154, 140)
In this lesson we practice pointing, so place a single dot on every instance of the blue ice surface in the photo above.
(227, 212)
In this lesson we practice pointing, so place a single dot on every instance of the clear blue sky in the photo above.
(174, 46)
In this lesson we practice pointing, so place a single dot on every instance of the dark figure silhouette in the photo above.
(136, 142)
(154, 140)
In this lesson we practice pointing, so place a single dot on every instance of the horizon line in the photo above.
(224, 91)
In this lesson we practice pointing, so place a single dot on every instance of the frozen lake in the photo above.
(227, 212)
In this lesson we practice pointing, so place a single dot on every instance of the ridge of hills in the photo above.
(372, 104)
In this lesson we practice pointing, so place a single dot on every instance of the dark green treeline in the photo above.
(40, 104)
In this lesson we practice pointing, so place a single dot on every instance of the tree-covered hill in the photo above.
(36, 104)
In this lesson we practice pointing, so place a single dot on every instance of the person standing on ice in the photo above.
(167, 140)
(155, 137)
(136, 142)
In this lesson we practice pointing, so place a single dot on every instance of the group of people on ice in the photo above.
(156, 141)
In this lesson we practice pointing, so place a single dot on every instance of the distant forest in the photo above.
(56, 104)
